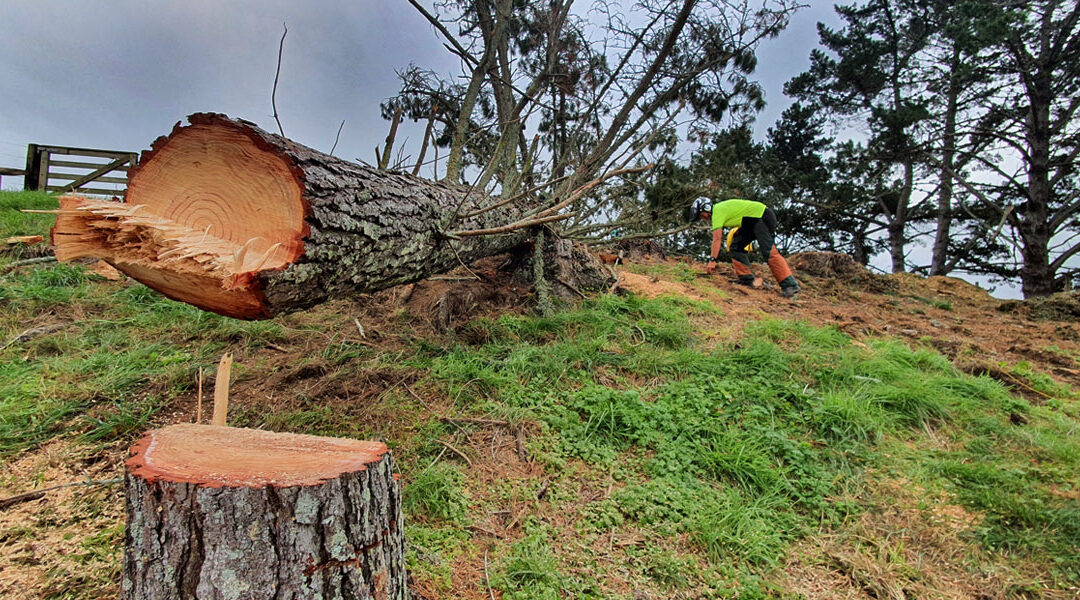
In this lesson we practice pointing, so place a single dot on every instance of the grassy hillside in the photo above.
(625, 447)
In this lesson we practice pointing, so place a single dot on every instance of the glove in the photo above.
(709, 268)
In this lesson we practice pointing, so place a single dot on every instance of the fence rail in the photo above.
(43, 172)
(8, 171)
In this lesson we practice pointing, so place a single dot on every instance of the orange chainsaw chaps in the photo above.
(741, 269)
(778, 265)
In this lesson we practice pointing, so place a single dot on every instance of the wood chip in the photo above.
(221, 390)
(25, 239)
(104, 269)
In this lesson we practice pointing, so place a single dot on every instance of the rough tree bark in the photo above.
(239, 514)
(940, 253)
(236, 220)
(1036, 276)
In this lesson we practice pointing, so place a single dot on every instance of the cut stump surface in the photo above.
(234, 457)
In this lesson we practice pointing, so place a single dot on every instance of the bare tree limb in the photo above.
(522, 224)
(1063, 257)
(518, 196)
(384, 160)
(579, 192)
(950, 265)
(427, 138)
(277, 74)
(34, 495)
(337, 137)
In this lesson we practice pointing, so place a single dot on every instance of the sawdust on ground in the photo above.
(53, 544)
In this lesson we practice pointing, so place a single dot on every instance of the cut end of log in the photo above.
(232, 457)
(208, 209)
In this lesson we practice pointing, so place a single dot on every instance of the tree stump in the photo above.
(241, 514)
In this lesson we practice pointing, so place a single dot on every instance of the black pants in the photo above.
(760, 229)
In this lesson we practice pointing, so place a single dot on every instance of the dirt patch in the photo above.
(904, 547)
(950, 348)
(1063, 306)
(958, 288)
(447, 301)
(653, 287)
(640, 250)
(826, 264)
(835, 267)
(495, 285)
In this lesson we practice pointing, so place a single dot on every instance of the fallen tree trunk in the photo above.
(227, 513)
(233, 219)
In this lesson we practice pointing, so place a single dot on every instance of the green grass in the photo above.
(717, 460)
(13, 222)
(749, 448)
(939, 304)
(436, 492)
(131, 350)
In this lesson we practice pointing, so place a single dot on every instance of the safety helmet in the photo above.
(702, 205)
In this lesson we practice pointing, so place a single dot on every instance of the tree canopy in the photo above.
(947, 125)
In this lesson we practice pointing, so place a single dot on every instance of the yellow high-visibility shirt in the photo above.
(730, 213)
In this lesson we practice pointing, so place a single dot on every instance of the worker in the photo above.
(754, 222)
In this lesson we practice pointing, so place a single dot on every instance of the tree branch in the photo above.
(522, 224)
(277, 73)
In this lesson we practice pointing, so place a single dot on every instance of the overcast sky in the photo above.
(117, 74)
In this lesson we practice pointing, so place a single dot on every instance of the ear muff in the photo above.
(694, 212)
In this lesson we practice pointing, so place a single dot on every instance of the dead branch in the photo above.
(32, 333)
(337, 137)
(579, 192)
(277, 74)
(522, 224)
(384, 160)
(572, 288)
(29, 261)
(474, 421)
(456, 451)
(502, 203)
(547, 215)
(519, 444)
(10, 501)
(427, 138)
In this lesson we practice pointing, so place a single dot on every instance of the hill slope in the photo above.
(686, 438)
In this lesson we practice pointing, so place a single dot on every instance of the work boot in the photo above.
(789, 288)
(747, 280)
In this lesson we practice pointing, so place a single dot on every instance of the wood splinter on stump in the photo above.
(236, 220)
(239, 514)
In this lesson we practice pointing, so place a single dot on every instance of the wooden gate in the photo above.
(63, 169)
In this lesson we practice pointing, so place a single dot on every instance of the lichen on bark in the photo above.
(341, 539)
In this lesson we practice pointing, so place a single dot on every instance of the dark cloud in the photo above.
(118, 74)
